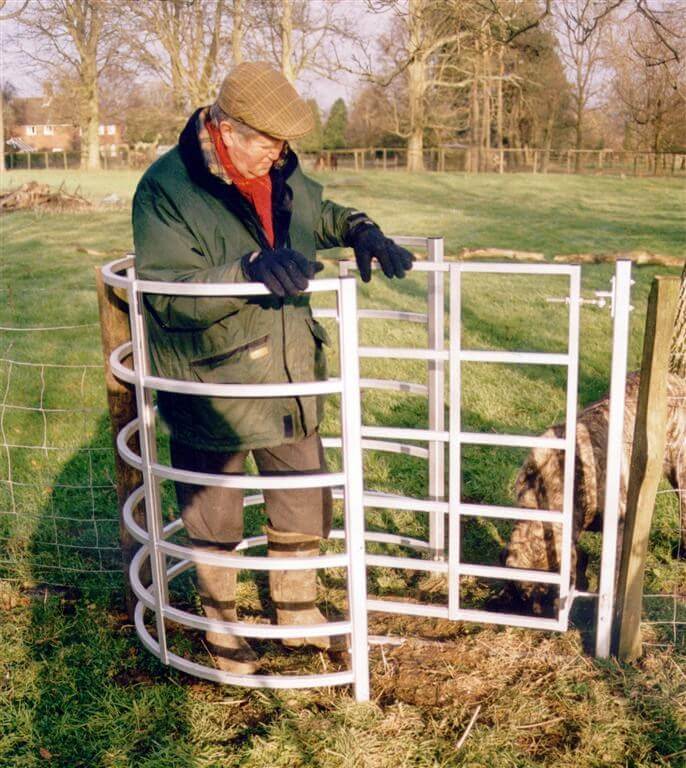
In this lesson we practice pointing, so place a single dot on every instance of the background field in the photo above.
(75, 682)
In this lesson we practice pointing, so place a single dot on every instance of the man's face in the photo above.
(252, 155)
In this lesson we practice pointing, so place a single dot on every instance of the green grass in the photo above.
(75, 682)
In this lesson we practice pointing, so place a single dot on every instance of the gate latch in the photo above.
(602, 298)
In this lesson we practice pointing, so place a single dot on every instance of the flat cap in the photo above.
(259, 96)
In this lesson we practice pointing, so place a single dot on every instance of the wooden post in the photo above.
(121, 399)
(28, 160)
(535, 165)
(646, 463)
(45, 157)
(385, 158)
(64, 156)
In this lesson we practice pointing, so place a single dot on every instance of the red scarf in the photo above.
(257, 191)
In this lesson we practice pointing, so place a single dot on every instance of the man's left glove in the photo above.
(369, 242)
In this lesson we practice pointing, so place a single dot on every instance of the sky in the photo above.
(326, 91)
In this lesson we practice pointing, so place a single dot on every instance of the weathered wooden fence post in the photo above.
(121, 400)
(646, 463)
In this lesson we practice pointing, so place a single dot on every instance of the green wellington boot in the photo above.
(294, 593)
(217, 589)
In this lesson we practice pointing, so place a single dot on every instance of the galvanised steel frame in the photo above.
(436, 506)
(156, 546)
(348, 484)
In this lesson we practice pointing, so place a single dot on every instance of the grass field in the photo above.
(77, 689)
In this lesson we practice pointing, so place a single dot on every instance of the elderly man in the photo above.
(230, 204)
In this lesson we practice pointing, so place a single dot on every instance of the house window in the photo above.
(101, 130)
(111, 130)
(48, 130)
(31, 130)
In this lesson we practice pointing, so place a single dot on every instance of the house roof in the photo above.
(35, 110)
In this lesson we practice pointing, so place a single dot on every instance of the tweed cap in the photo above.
(259, 96)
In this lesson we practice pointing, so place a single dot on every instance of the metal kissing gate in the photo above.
(168, 559)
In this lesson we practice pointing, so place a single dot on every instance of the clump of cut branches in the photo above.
(34, 195)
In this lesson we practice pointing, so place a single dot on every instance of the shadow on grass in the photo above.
(100, 699)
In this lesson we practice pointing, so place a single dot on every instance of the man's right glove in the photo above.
(284, 271)
(368, 242)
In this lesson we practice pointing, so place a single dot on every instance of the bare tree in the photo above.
(300, 35)
(582, 36)
(80, 37)
(182, 42)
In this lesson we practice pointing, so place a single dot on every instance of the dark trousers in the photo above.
(214, 515)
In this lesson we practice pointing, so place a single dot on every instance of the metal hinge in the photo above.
(602, 298)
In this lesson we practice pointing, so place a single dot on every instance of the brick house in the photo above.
(45, 127)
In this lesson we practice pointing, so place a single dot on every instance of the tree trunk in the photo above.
(416, 87)
(90, 138)
(287, 40)
(237, 31)
(499, 116)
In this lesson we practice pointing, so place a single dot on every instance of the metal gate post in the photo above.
(351, 428)
(621, 309)
(148, 454)
(436, 382)
(455, 449)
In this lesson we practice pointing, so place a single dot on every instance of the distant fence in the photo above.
(504, 160)
(439, 159)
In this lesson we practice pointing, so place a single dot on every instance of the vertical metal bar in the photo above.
(435, 318)
(454, 455)
(147, 443)
(608, 558)
(351, 418)
(570, 448)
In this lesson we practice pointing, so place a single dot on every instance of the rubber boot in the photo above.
(217, 589)
(294, 593)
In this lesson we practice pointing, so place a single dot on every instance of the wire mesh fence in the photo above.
(58, 507)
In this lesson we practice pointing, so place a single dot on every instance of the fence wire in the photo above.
(664, 593)
(58, 503)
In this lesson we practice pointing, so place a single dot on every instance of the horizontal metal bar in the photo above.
(381, 445)
(511, 513)
(408, 609)
(524, 358)
(406, 433)
(218, 290)
(325, 312)
(246, 681)
(391, 314)
(247, 629)
(511, 574)
(395, 386)
(403, 353)
(287, 389)
(376, 500)
(512, 441)
(295, 480)
(127, 454)
(407, 563)
(509, 619)
(134, 498)
(417, 266)
(518, 269)
(398, 539)
(252, 563)
(109, 272)
(118, 368)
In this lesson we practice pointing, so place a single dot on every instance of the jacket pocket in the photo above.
(242, 364)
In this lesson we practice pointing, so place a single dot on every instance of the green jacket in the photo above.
(190, 226)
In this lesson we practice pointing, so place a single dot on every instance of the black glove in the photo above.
(284, 271)
(368, 242)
